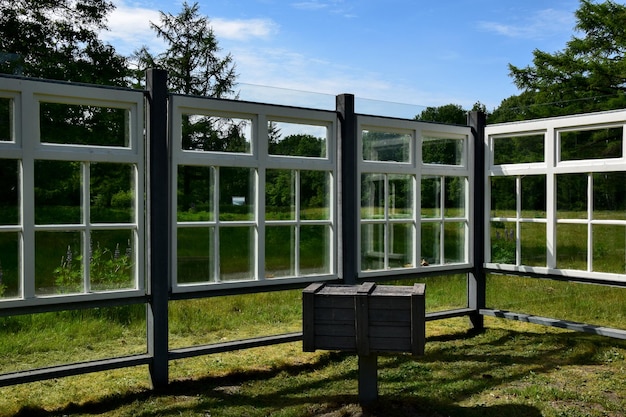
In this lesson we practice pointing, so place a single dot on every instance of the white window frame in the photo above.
(550, 168)
(259, 160)
(416, 168)
(27, 148)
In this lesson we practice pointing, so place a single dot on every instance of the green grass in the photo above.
(512, 369)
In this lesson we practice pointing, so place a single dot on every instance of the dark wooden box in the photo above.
(366, 319)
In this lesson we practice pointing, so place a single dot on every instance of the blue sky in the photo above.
(422, 53)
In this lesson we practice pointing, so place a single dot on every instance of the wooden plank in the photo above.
(338, 301)
(418, 319)
(336, 343)
(332, 314)
(391, 303)
(390, 344)
(334, 329)
(308, 316)
(397, 316)
(390, 331)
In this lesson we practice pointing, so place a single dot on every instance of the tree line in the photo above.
(59, 40)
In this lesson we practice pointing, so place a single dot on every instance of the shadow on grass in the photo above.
(455, 368)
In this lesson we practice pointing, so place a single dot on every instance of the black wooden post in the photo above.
(158, 229)
(476, 280)
(347, 188)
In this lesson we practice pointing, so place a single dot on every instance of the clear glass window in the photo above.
(315, 249)
(431, 243)
(380, 145)
(571, 195)
(443, 151)
(195, 196)
(216, 134)
(58, 263)
(280, 194)
(609, 248)
(519, 149)
(237, 249)
(9, 191)
(58, 195)
(609, 195)
(195, 259)
(297, 139)
(113, 193)
(9, 264)
(503, 242)
(79, 124)
(6, 120)
(431, 197)
(591, 144)
(533, 244)
(112, 260)
(237, 193)
(571, 246)
(315, 198)
(503, 197)
(280, 244)
(372, 246)
(454, 242)
(533, 196)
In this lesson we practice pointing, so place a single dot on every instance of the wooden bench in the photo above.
(367, 319)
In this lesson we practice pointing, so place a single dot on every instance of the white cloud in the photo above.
(129, 29)
(242, 30)
(310, 5)
(538, 25)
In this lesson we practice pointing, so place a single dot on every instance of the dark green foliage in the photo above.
(65, 47)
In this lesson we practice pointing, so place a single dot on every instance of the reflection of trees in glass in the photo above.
(591, 144)
(442, 151)
(295, 145)
(386, 146)
(609, 191)
(518, 149)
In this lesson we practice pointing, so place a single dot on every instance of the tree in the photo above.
(449, 113)
(58, 39)
(191, 59)
(589, 74)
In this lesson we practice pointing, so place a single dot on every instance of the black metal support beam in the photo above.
(476, 279)
(159, 230)
(347, 188)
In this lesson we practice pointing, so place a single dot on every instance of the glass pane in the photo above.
(236, 194)
(112, 193)
(503, 242)
(79, 124)
(609, 248)
(9, 265)
(571, 194)
(280, 244)
(534, 196)
(455, 196)
(9, 191)
(503, 197)
(237, 251)
(296, 139)
(315, 189)
(533, 244)
(454, 242)
(401, 196)
(387, 146)
(431, 197)
(442, 151)
(315, 250)
(518, 149)
(373, 196)
(58, 192)
(6, 120)
(372, 247)
(280, 194)
(112, 260)
(609, 196)
(591, 144)
(195, 193)
(216, 134)
(58, 263)
(571, 246)
(401, 246)
(431, 243)
(195, 255)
